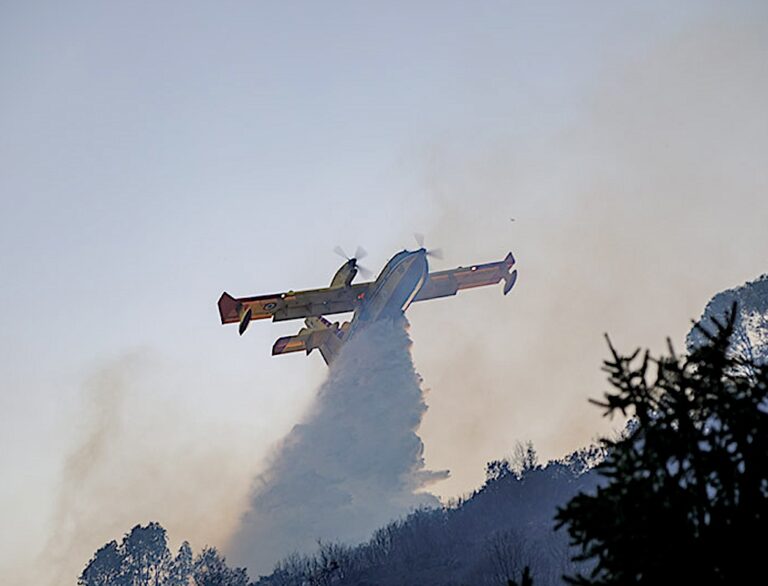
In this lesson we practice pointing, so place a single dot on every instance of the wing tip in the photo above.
(509, 281)
(279, 345)
(229, 308)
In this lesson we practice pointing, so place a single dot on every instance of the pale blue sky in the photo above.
(155, 154)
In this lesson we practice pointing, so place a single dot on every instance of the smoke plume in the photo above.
(139, 458)
(627, 218)
(353, 464)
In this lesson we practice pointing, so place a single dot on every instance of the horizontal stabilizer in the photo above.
(288, 344)
(319, 334)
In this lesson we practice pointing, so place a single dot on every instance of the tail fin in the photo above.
(319, 334)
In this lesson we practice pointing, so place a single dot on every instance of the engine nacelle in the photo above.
(345, 274)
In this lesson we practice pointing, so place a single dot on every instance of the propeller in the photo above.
(434, 253)
(360, 253)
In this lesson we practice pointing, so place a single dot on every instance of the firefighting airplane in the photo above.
(404, 279)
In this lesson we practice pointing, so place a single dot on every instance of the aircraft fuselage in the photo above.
(395, 287)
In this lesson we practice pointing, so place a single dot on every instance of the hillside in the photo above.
(486, 538)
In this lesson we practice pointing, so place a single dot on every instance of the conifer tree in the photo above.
(686, 494)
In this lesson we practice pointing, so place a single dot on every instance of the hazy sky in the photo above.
(155, 154)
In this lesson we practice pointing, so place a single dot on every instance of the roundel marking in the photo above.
(270, 305)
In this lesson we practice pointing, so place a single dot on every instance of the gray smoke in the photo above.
(628, 216)
(139, 457)
(353, 464)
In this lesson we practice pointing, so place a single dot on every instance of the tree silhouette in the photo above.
(143, 559)
(182, 566)
(686, 492)
(105, 569)
(146, 558)
(211, 569)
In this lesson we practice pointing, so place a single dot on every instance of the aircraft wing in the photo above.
(450, 282)
(292, 304)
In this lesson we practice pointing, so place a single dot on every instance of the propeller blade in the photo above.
(436, 253)
(364, 272)
(419, 239)
(340, 251)
(360, 253)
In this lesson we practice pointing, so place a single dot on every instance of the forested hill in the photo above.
(487, 538)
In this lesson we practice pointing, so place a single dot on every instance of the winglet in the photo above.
(509, 281)
(229, 308)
